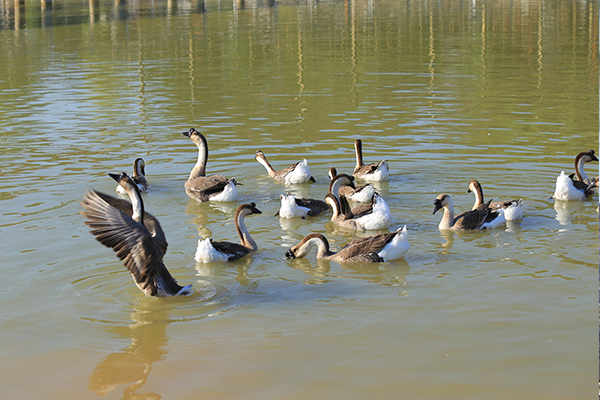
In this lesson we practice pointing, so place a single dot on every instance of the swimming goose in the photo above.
(513, 209)
(292, 175)
(291, 207)
(139, 176)
(375, 172)
(210, 251)
(340, 181)
(137, 238)
(483, 217)
(378, 248)
(379, 217)
(212, 187)
(361, 194)
(568, 188)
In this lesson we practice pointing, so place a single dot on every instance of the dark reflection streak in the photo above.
(431, 60)
(141, 72)
(300, 71)
(46, 14)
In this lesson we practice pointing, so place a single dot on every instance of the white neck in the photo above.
(137, 204)
(137, 172)
(478, 197)
(447, 221)
(322, 249)
(245, 237)
(265, 164)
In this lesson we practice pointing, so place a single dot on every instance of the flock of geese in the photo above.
(139, 241)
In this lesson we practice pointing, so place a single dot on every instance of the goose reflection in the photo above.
(131, 366)
(567, 210)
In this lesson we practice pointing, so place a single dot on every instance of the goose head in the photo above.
(125, 181)
(301, 249)
(587, 156)
(440, 202)
(474, 186)
(194, 135)
(248, 209)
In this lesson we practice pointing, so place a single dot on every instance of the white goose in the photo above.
(581, 188)
(210, 251)
(134, 235)
(212, 187)
(139, 176)
(379, 217)
(513, 209)
(292, 175)
(291, 207)
(361, 194)
(482, 217)
(374, 172)
(378, 248)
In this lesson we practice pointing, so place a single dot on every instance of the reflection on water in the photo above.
(132, 365)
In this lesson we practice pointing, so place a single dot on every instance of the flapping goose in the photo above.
(292, 175)
(375, 172)
(134, 235)
(210, 251)
(212, 187)
(378, 248)
(378, 218)
(483, 217)
(569, 188)
(513, 209)
(361, 194)
(291, 207)
(139, 176)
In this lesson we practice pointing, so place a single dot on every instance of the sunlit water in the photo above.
(505, 92)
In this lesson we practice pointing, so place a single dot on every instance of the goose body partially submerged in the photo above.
(294, 174)
(201, 187)
(513, 209)
(134, 235)
(213, 251)
(361, 194)
(374, 172)
(378, 217)
(378, 248)
(139, 176)
(292, 207)
(569, 188)
(483, 217)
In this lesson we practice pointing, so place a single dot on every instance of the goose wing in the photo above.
(150, 222)
(207, 184)
(315, 206)
(233, 251)
(362, 210)
(366, 169)
(130, 240)
(283, 172)
(586, 188)
(473, 219)
(366, 249)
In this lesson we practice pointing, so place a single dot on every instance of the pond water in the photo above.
(505, 92)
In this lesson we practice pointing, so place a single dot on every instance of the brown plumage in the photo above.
(372, 172)
(294, 174)
(480, 218)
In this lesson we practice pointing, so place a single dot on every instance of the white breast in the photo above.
(397, 248)
(206, 252)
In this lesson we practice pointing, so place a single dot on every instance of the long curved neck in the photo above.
(478, 191)
(447, 221)
(359, 156)
(137, 204)
(138, 170)
(334, 187)
(262, 159)
(581, 175)
(200, 167)
(335, 207)
(322, 248)
(245, 237)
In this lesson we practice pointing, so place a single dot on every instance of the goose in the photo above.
(380, 216)
(361, 194)
(378, 248)
(568, 188)
(513, 209)
(292, 175)
(212, 187)
(375, 172)
(136, 237)
(211, 251)
(291, 207)
(483, 217)
(139, 176)
(340, 181)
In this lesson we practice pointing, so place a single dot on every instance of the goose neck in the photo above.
(243, 232)
(579, 171)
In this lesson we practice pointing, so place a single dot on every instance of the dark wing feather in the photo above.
(345, 209)
(234, 250)
(362, 210)
(130, 240)
(473, 219)
(315, 206)
(150, 222)
(366, 247)
(207, 185)
(283, 172)
(586, 188)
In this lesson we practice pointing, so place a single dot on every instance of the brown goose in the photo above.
(139, 176)
(481, 218)
(513, 209)
(378, 248)
(210, 251)
(292, 175)
(138, 239)
(374, 172)
(569, 188)
(361, 194)
(212, 187)
(379, 217)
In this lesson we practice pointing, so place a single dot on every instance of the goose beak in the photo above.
(437, 204)
(290, 254)
(115, 176)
